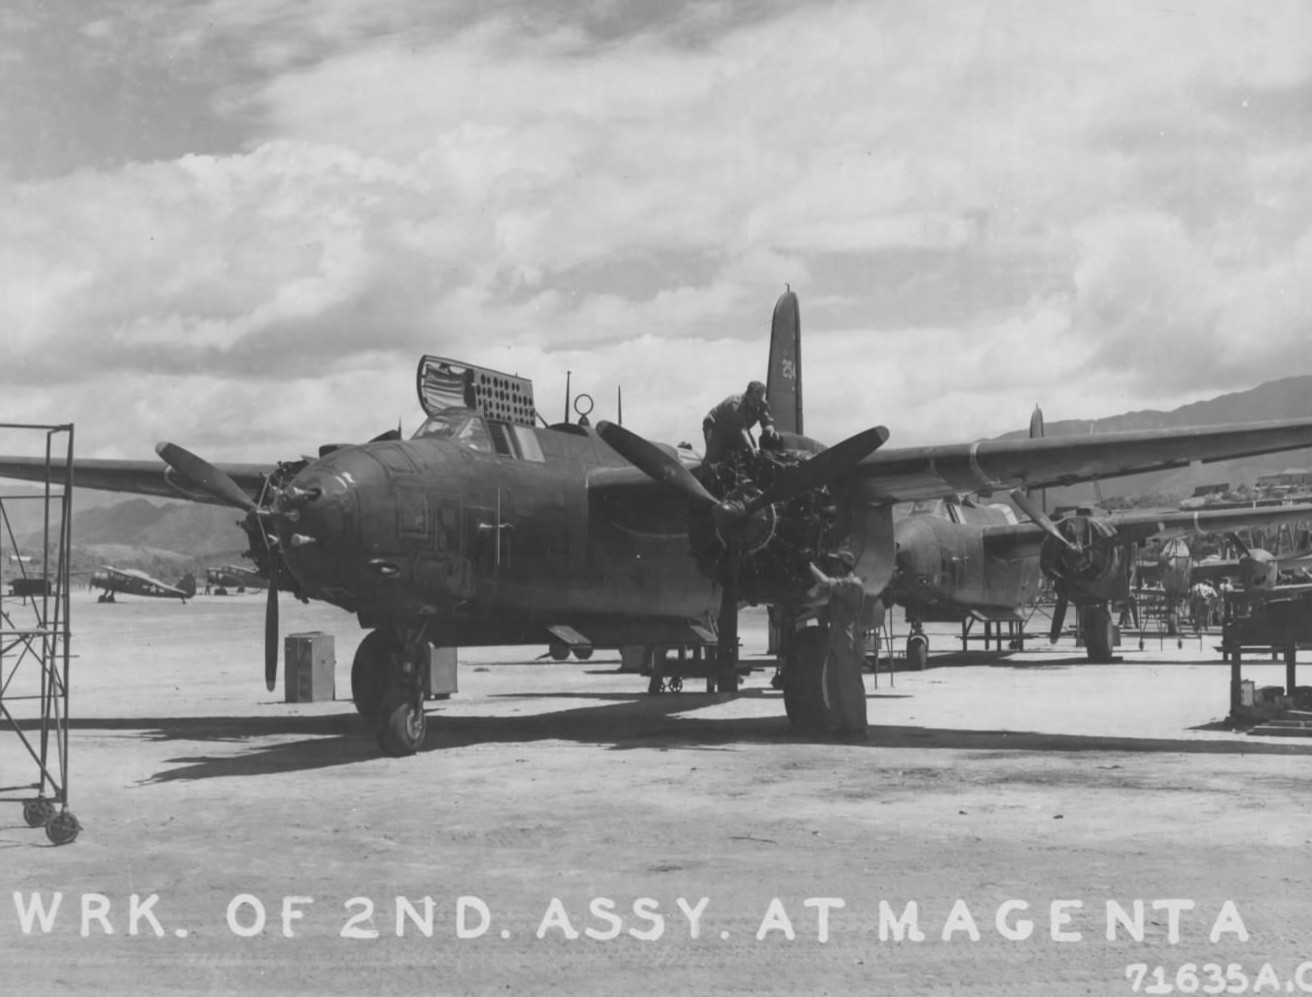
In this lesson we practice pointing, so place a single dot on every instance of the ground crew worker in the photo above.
(727, 427)
(844, 689)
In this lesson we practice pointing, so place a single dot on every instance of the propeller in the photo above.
(205, 476)
(1041, 520)
(731, 515)
(654, 462)
(209, 479)
(1058, 616)
(271, 632)
(1243, 548)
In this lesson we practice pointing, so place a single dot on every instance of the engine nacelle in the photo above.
(1096, 571)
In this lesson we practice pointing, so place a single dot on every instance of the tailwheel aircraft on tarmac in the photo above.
(130, 581)
(487, 529)
(218, 580)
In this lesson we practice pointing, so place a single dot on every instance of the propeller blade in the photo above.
(271, 632)
(1040, 518)
(653, 461)
(204, 476)
(824, 467)
(1058, 618)
(1242, 547)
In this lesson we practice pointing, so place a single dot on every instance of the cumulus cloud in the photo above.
(982, 207)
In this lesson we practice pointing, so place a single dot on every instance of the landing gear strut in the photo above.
(388, 679)
(1099, 634)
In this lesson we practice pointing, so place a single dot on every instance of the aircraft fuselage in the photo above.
(491, 547)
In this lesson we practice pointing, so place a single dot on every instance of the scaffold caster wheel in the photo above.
(37, 812)
(62, 828)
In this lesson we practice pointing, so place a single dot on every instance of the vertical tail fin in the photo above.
(1036, 433)
(783, 384)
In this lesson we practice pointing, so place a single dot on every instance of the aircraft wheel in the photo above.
(401, 722)
(804, 698)
(1172, 624)
(37, 812)
(559, 650)
(918, 652)
(583, 652)
(367, 671)
(63, 829)
(1098, 637)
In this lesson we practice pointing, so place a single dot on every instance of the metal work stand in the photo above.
(34, 630)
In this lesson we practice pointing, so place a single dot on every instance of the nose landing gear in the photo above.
(388, 679)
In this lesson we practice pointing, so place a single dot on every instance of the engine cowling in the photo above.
(1095, 570)
(779, 541)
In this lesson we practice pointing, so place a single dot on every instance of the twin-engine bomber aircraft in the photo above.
(484, 529)
(955, 558)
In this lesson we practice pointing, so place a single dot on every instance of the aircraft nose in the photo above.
(320, 518)
(915, 544)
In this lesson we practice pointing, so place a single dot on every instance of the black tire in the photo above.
(918, 652)
(1098, 635)
(38, 812)
(804, 698)
(558, 650)
(401, 723)
(63, 828)
(583, 652)
(368, 671)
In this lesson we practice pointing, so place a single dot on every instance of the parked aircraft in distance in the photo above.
(486, 529)
(955, 558)
(130, 581)
(233, 576)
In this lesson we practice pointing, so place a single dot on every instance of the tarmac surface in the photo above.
(1007, 810)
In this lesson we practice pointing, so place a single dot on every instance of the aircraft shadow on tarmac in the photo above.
(624, 722)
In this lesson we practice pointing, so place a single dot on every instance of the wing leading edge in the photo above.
(908, 474)
(140, 477)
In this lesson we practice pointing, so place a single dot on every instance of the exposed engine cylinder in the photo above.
(779, 541)
(1097, 559)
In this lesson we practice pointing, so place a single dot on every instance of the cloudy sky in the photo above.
(237, 224)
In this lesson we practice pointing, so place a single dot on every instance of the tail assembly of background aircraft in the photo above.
(486, 528)
(130, 581)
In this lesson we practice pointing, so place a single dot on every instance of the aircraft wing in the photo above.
(140, 477)
(1026, 538)
(908, 474)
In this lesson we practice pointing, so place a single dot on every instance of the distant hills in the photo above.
(156, 535)
(167, 536)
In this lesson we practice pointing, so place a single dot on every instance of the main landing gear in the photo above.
(388, 678)
(917, 648)
(1099, 633)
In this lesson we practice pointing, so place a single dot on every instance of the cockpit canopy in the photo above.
(461, 425)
